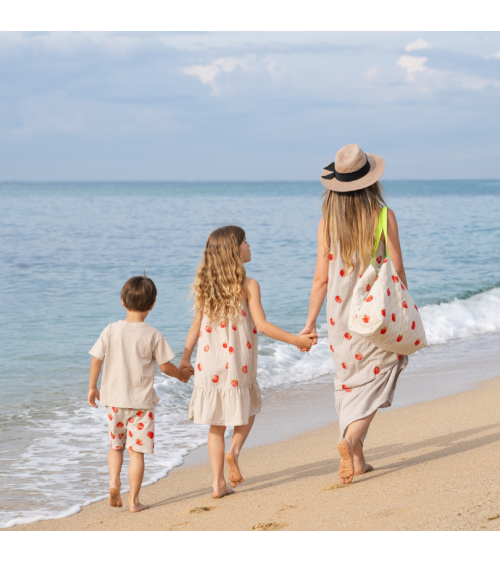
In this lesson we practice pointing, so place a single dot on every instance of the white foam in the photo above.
(462, 318)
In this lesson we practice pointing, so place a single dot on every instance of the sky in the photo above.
(91, 106)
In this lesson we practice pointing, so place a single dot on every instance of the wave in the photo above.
(462, 318)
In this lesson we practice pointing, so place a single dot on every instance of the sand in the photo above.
(436, 468)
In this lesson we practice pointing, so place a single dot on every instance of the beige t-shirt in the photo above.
(129, 351)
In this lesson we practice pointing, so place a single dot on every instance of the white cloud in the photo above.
(208, 73)
(427, 79)
(497, 56)
(412, 65)
(418, 45)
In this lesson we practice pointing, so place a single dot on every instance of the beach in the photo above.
(68, 277)
(435, 468)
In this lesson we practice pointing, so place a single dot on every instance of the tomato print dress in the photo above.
(226, 392)
(365, 375)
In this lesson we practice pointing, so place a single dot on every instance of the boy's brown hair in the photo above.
(139, 293)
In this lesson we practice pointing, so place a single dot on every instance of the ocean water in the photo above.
(67, 249)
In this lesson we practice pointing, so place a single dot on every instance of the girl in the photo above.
(228, 314)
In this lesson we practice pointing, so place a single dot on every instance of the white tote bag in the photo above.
(382, 309)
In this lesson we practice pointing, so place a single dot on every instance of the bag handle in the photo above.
(381, 228)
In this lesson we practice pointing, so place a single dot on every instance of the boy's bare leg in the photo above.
(135, 475)
(239, 437)
(115, 462)
(216, 448)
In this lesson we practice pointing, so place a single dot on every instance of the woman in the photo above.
(366, 375)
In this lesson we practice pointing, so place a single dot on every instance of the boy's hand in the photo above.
(305, 341)
(92, 396)
(187, 372)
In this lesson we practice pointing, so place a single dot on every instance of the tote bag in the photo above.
(382, 309)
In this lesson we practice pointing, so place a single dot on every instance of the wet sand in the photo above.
(436, 468)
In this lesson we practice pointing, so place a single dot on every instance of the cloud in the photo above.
(418, 45)
(208, 73)
(427, 79)
(497, 56)
(412, 65)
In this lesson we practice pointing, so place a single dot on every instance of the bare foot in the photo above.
(235, 477)
(366, 469)
(223, 491)
(346, 467)
(139, 507)
(115, 499)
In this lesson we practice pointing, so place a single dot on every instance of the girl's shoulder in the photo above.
(250, 286)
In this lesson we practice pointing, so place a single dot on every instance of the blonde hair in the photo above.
(350, 223)
(218, 286)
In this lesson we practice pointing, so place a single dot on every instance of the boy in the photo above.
(129, 349)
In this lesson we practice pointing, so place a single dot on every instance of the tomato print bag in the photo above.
(382, 309)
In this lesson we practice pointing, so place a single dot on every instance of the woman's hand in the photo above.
(307, 330)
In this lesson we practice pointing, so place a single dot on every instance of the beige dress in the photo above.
(365, 375)
(226, 392)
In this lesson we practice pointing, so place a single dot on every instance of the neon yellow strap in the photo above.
(381, 227)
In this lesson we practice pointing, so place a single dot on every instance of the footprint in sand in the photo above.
(330, 487)
(200, 509)
(177, 525)
(270, 527)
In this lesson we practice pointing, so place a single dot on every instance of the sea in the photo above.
(66, 250)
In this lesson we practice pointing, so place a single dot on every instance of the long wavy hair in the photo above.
(217, 288)
(350, 223)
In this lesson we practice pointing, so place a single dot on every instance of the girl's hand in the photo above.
(187, 372)
(305, 341)
(308, 329)
(183, 365)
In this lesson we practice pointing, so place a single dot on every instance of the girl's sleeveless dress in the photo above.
(226, 392)
(365, 375)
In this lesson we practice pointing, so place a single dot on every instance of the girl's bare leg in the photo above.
(216, 447)
(115, 462)
(135, 475)
(239, 437)
(351, 450)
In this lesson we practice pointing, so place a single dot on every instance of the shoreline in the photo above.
(412, 487)
(281, 424)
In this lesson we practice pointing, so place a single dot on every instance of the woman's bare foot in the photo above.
(366, 469)
(346, 467)
(235, 477)
(115, 499)
(222, 491)
(138, 507)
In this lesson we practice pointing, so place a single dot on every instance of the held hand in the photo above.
(187, 372)
(305, 341)
(92, 396)
(308, 330)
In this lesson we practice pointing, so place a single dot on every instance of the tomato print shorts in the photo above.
(133, 429)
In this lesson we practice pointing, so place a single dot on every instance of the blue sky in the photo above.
(246, 105)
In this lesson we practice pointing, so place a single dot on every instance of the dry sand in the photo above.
(436, 468)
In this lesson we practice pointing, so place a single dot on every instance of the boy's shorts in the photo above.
(133, 429)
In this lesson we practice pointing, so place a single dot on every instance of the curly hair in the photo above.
(218, 286)
(350, 223)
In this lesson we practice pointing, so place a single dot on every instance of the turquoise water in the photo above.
(67, 249)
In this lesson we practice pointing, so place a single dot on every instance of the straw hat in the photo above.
(352, 170)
